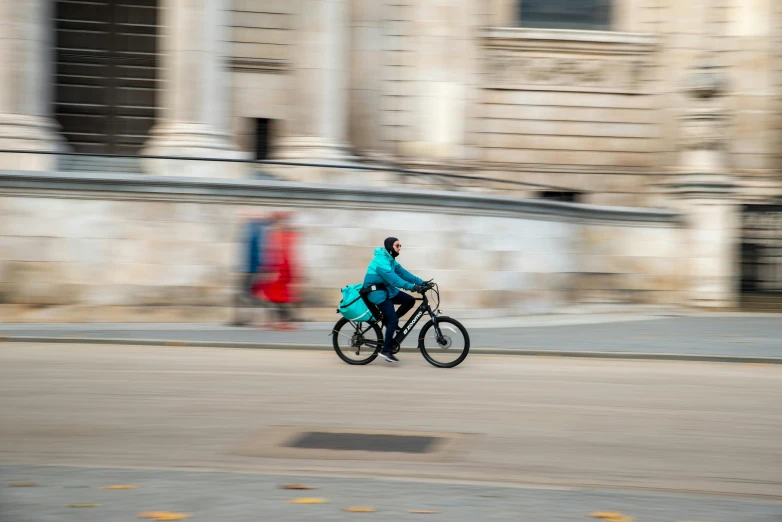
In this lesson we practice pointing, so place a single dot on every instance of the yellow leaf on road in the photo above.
(612, 516)
(163, 515)
(360, 509)
(83, 505)
(422, 511)
(120, 486)
(308, 500)
(176, 343)
(297, 486)
(22, 485)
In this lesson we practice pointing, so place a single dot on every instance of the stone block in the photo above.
(264, 35)
(325, 256)
(482, 260)
(27, 226)
(569, 99)
(19, 248)
(508, 281)
(336, 277)
(508, 243)
(260, 51)
(642, 247)
(348, 235)
(22, 272)
(194, 212)
(130, 273)
(567, 157)
(495, 112)
(268, 6)
(473, 241)
(594, 264)
(33, 207)
(323, 297)
(529, 262)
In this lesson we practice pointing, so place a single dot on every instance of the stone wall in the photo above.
(133, 248)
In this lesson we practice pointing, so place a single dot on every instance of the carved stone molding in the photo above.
(704, 130)
(703, 171)
(573, 61)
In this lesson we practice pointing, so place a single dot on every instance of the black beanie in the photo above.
(389, 244)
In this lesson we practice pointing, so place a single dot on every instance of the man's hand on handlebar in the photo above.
(423, 287)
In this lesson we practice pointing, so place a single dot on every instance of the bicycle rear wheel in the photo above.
(356, 343)
(454, 346)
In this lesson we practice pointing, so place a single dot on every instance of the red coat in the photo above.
(280, 264)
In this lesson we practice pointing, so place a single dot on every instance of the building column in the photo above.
(193, 110)
(26, 84)
(317, 129)
(705, 189)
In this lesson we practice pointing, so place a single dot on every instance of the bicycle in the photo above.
(448, 341)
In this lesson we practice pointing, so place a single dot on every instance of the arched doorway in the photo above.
(106, 73)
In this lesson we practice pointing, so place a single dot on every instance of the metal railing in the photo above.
(450, 179)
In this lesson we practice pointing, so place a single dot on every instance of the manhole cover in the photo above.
(364, 442)
(296, 442)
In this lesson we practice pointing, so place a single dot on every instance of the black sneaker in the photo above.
(390, 357)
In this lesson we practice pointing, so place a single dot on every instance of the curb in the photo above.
(323, 347)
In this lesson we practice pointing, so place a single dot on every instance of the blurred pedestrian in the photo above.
(280, 288)
(256, 229)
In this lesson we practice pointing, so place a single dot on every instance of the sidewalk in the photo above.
(715, 337)
(209, 495)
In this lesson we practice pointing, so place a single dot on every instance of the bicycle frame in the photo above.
(424, 307)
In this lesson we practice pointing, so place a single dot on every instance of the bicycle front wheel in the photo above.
(356, 343)
(451, 349)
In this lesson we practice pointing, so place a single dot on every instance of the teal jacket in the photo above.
(384, 269)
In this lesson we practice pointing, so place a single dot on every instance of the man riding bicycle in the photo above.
(386, 276)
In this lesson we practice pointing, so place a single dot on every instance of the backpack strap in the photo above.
(350, 303)
(372, 288)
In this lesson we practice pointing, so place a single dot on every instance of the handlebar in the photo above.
(426, 286)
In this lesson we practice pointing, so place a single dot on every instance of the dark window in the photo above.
(761, 249)
(106, 73)
(567, 196)
(263, 128)
(592, 15)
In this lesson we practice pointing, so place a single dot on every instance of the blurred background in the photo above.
(594, 181)
(533, 155)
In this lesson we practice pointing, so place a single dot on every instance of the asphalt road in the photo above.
(548, 436)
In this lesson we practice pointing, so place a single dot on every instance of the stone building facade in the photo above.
(632, 103)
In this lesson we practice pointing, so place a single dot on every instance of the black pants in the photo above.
(284, 312)
(392, 316)
(244, 297)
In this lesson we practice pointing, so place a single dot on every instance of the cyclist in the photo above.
(387, 276)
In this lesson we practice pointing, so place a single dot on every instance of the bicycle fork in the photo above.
(437, 332)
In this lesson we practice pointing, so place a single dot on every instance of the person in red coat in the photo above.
(280, 289)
